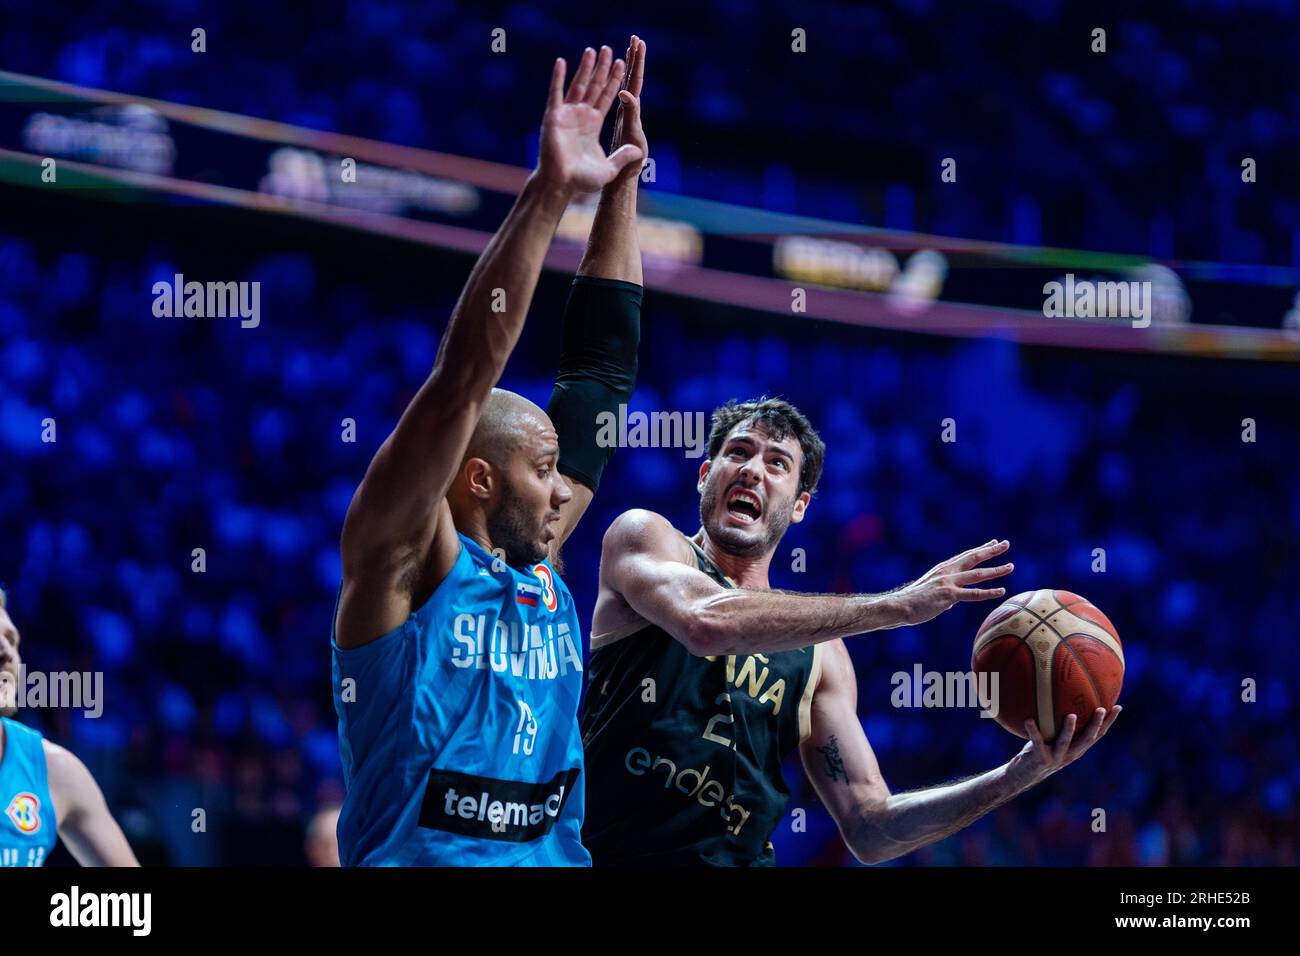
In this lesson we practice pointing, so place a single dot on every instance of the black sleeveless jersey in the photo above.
(683, 753)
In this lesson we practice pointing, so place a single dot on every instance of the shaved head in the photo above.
(506, 421)
(509, 483)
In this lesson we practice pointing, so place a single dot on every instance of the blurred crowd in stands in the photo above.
(1132, 141)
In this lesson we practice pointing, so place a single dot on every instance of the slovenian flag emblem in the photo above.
(528, 594)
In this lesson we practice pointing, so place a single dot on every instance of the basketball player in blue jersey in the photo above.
(457, 652)
(703, 678)
(45, 791)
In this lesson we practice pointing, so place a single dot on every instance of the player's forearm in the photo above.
(489, 317)
(93, 837)
(613, 250)
(909, 821)
(739, 620)
(110, 852)
(597, 374)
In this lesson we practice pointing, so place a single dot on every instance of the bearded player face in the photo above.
(749, 492)
(524, 517)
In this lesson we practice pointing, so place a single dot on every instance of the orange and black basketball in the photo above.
(1055, 654)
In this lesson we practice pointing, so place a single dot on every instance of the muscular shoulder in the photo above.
(69, 779)
(645, 532)
(637, 543)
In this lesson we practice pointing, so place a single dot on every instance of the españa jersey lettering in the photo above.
(458, 731)
(28, 829)
(685, 752)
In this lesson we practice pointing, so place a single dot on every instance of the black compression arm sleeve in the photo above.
(602, 330)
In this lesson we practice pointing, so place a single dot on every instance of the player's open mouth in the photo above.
(744, 505)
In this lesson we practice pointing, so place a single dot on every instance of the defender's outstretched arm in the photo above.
(613, 251)
(398, 520)
(602, 319)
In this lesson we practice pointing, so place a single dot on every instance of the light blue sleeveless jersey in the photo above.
(459, 730)
(28, 828)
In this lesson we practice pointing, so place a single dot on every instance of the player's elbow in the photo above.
(696, 637)
(869, 856)
(867, 837)
(706, 631)
(869, 851)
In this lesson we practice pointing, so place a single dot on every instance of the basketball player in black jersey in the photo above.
(702, 678)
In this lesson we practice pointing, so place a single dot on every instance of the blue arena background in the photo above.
(180, 434)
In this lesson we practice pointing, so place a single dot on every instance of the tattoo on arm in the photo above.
(834, 763)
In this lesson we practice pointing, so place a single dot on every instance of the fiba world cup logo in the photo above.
(25, 812)
(548, 587)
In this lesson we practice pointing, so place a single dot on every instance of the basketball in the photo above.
(1053, 654)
